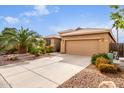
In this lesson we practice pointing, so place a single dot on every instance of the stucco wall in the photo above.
(57, 44)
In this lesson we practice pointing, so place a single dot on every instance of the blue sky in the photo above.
(48, 20)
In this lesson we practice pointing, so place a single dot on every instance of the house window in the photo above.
(48, 42)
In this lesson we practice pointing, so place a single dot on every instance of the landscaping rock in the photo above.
(12, 58)
(91, 77)
(107, 84)
(8, 59)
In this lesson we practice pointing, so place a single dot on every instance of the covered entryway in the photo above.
(82, 47)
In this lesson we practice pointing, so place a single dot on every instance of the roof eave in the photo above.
(106, 31)
(64, 34)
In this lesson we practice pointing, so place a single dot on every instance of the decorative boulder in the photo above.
(12, 58)
(107, 84)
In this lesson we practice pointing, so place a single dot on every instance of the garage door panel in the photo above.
(82, 47)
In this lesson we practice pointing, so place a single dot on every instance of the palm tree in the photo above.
(118, 17)
(20, 39)
(4, 39)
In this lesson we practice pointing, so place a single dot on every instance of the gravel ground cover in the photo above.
(21, 58)
(91, 77)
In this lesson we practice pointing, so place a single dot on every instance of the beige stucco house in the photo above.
(86, 41)
(82, 41)
(54, 41)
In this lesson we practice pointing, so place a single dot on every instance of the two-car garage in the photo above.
(81, 47)
(86, 42)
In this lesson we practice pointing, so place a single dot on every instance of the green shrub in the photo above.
(108, 68)
(43, 50)
(12, 57)
(101, 60)
(49, 49)
(36, 51)
(95, 56)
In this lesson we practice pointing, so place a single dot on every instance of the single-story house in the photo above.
(54, 41)
(85, 41)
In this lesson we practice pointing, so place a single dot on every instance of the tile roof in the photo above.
(84, 31)
(53, 36)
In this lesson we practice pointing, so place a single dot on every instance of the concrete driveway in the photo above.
(45, 72)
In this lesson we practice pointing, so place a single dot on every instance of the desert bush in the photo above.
(43, 50)
(95, 56)
(49, 49)
(108, 68)
(36, 51)
(118, 68)
(12, 57)
(101, 60)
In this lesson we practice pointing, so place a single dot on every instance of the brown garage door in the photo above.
(82, 47)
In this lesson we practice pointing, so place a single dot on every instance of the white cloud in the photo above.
(56, 10)
(94, 24)
(57, 28)
(11, 20)
(27, 21)
(38, 10)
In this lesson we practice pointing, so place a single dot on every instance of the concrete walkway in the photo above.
(45, 72)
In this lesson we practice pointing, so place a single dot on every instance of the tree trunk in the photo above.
(117, 36)
(117, 44)
(22, 49)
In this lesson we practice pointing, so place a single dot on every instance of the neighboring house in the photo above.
(86, 41)
(54, 41)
